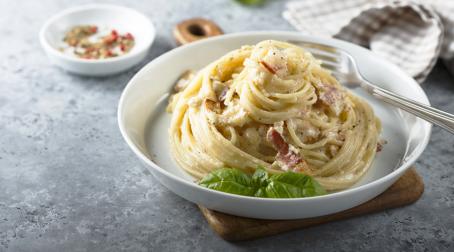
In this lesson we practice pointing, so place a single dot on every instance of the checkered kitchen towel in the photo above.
(410, 33)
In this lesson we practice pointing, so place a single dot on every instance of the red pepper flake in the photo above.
(129, 36)
(114, 34)
(78, 37)
(109, 39)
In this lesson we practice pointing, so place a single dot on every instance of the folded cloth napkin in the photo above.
(410, 33)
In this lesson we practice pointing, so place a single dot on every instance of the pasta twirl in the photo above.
(272, 105)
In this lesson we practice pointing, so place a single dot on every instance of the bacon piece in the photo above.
(331, 96)
(286, 154)
(379, 147)
(268, 67)
(380, 144)
(275, 61)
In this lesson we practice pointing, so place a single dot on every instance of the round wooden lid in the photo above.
(194, 29)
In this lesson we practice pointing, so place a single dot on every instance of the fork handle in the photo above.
(428, 113)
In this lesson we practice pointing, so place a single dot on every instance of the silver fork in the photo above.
(344, 68)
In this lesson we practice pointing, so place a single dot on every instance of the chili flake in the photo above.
(88, 42)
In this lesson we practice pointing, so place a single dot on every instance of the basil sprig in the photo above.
(262, 184)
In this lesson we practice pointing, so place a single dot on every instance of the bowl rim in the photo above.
(408, 161)
(52, 50)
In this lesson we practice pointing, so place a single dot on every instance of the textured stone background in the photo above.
(69, 182)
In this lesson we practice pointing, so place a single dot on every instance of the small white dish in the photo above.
(116, 17)
(144, 125)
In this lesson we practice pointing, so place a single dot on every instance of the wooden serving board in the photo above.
(406, 190)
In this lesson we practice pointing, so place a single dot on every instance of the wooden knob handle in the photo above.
(194, 29)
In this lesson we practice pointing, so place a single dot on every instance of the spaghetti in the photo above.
(272, 105)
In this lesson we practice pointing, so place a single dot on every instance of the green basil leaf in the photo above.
(293, 185)
(261, 184)
(260, 177)
(291, 178)
(313, 188)
(277, 189)
(261, 193)
(230, 181)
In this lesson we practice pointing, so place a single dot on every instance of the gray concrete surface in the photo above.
(68, 182)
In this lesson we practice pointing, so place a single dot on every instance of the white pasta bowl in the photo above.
(115, 17)
(144, 124)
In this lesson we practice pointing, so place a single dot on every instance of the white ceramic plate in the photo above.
(104, 16)
(144, 124)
